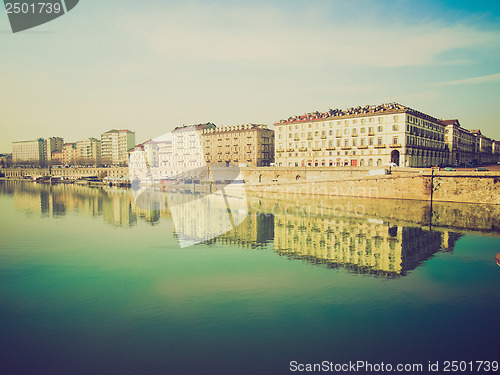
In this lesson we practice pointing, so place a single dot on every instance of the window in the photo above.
(379, 141)
(354, 142)
(338, 142)
(346, 143)
(395, 127)
(395, 140)
(362, 141)
(346, 131)
(380, 129)
(362, 130)
(370, 130)
(339, 132)
(354, 131)
(370, 141)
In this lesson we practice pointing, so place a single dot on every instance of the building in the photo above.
(57, 157)
(250, 144)
(53, 144)
(89, 151)
(5, 160)
(33, 152)
(484, 147)
(362, 136)
(144, 155)
(70, 153)
(180, 150)
(115, 145)
(461, 142)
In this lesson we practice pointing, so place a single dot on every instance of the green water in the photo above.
(89, 284)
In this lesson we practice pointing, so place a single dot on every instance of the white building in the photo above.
(29, 151)
(115, 145)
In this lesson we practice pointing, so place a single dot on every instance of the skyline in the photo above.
(151, 68)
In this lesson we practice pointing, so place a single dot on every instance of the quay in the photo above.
(425, 184)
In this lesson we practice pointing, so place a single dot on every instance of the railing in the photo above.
(394, 145)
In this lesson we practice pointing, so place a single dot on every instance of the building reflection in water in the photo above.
(359, 245)
(384, 247)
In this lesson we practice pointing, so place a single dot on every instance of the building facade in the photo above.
(250, 144)
(29, 151)
(362, 136)
(52, 145)
(89, 151)
(461, 143)
(70, 154)
(115, 145)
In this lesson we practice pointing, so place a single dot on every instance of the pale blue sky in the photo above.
(153, 65)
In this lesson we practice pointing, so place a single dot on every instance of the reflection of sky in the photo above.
(144, 300)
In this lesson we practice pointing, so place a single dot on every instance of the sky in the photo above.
(150, 66)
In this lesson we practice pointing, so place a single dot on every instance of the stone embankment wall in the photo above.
(402, 183)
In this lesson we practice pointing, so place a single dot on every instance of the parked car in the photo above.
(481, 169)
(449, 169)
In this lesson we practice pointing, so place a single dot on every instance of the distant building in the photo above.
(484, 147)
(57, 157)
(461, 142)
(29, 151)
(70, 154)
(249, 144)
(115, 145)
(5, 160)
(53, 144)
(89, 151)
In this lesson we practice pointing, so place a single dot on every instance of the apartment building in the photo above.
(362, 136)
(249, 144)
(29, 151)
(52, 145)
(89, 151)
(115, 145)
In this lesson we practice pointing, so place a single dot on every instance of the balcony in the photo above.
(330, 148)
(290, 150)
(309, 138)
(395, 145)
(371, 133)
(362, 147)
(323, 137)
(346, 148)
(317, 149)
(280, 151)
(379, 146)
(303, 149)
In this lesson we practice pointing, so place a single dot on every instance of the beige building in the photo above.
(52, 145)
(29, 151)
(115, 145)
(461, 142)
(70, 153)
(250, 144)
(89, 151)
(484, 147)
(362, 136)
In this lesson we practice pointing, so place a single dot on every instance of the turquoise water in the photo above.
(91, 285)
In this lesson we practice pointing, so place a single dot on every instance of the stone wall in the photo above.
(471, 187)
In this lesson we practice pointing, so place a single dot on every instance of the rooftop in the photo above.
(359, 111)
